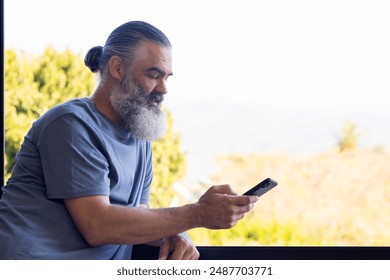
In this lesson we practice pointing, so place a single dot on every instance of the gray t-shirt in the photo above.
(71, 151)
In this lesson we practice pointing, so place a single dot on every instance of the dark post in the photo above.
(2, 94)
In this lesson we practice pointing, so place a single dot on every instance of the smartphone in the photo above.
(262, 187)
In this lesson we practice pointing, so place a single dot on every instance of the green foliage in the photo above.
(35, 84)
(169, 166)
(253, 231)
(349, 138)
(331, 198)
(20, 91)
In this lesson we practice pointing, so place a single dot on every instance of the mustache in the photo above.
(155, 96)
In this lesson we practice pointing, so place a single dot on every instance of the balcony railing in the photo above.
(145, 252)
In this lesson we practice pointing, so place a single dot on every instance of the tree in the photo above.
(20, 95)
(169, 166)
(35, 84)
(348, 140)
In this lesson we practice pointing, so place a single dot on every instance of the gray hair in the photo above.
(122, 42)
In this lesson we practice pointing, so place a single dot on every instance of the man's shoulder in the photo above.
(74, 108)
(78, 108)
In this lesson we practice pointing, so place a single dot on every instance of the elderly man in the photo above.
(80, 185)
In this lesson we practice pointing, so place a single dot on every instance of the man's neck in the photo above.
(101, 98)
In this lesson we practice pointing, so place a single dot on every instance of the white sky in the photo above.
(233, 59)
(290, 53)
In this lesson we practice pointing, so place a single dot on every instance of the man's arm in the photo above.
(179, 246)
(102, 223)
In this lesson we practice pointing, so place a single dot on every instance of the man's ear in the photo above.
(116, 67)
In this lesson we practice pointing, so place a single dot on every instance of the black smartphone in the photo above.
(262, 187)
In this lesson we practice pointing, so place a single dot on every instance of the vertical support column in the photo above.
(2, 143)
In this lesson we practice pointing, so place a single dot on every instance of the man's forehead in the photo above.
(149, 55)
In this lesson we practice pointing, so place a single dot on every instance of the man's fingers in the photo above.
(164, 250)
(178, 255)
(177, 249)
(223, 189)
(187, 254)
(245, 199)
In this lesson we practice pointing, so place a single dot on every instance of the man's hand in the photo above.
(178, 247)
(221, 208)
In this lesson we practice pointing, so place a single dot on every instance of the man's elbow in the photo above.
(93, 234)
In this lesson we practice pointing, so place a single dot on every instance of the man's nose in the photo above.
(162, 87)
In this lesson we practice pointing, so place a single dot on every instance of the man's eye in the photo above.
(154, 75)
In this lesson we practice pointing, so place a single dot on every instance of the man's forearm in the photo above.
(102, 223)
(121, 225)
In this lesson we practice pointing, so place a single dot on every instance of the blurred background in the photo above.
(294, 90)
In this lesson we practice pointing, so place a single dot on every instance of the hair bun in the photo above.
(93, 57)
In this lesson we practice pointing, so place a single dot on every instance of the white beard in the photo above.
(144, 121)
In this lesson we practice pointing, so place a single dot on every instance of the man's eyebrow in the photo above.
(160, 71)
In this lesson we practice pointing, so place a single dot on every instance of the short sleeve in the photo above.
(145, 196)
(72, 159)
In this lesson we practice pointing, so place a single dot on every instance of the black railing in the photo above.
(145, 252)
